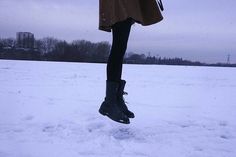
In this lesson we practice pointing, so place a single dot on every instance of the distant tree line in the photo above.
(143, 59)
(52, 49)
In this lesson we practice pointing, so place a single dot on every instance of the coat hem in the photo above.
(109, 27)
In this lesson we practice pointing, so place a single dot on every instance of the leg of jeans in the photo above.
(120, 33)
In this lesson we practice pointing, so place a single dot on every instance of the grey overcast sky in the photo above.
(199, 30)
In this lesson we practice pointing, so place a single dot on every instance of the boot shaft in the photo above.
(111, 90)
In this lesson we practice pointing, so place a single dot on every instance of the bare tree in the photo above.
(102, 51)
(8, 42)
(47, 44)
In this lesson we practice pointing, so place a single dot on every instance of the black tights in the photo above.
(120, 33)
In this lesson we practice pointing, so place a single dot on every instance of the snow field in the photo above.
(51, 109)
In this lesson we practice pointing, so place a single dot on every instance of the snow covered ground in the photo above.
(50, 109)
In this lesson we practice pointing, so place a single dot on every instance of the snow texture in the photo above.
(51, 109)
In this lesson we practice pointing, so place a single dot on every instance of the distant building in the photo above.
(25, 40)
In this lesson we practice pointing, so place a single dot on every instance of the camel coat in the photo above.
(145, 12)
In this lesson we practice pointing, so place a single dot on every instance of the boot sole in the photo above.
(102, 112)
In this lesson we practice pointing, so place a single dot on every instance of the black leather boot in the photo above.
(110, 106)
(121, 101)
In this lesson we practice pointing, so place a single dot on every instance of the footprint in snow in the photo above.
(184, 126)
(6, 68)
(123, 133)
(28, 118)
(53, 128)
(18, 130)
(223, 123)
(95, 126)
(224, 137)
(48, 129)
(199, 149)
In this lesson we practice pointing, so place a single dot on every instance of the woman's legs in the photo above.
(111, 106)
(120, 32)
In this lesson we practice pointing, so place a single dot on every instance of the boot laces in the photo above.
(124, 93)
